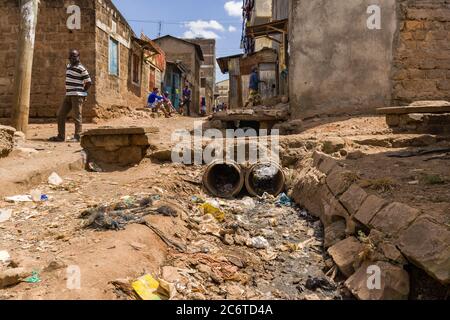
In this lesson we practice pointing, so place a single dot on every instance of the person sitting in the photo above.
(155, 102)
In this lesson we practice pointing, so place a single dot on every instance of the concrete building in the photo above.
(109, 49)
(207, 70)
(367, 54)
(223, 90)
(191, 55)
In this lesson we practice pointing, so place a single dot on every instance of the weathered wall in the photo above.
(422, 52)
(53, 42)
(115, 92)
(338, 65)
(180, 50)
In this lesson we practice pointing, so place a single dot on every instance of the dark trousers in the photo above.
(74, 104)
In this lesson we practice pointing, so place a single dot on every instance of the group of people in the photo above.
(78, 83)
(162, 103)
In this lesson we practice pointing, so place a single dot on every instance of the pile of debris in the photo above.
(252, 248)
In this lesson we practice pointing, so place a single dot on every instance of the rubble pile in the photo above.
(6, 140)
(253, 248)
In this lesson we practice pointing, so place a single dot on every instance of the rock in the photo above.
(345, 254)
(426, 244)
(12, 277)
(334, 233)
(228, 240)
(19, 138)
(55, 265)
(162, 155)
(394, 282)
(324, 163)
(332, 144)
(142, 139)
(394, 218)
(355, 155)
(353, 198)
(6, 140)
(369, 208)
(338, 180)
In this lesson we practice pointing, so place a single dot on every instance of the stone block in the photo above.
(324, 163)
(371, 206)
(141, 139)
(117, 140)
(394, 218)
(346, 254)
(120, 131)
(353, 198)
(393, 285)
(334, 233)
(338, 181)
(130, 155)
(427, 244)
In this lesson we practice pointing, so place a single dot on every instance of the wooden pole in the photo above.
(24, 64)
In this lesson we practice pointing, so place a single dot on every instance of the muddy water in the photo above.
(262, 250)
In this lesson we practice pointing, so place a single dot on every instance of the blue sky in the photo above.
(220, 19)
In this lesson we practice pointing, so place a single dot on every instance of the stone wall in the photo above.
(116, 92)
(422, 53)
(53, 42)
(395, 233)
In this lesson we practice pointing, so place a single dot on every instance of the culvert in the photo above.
(223, 179)
(265, 177)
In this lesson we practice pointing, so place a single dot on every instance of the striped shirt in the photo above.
(76, 78)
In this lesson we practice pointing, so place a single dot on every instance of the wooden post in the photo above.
(24, 64)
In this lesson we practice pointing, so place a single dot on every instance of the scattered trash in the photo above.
(258, 243)
(148, 288)
(19, 198)
(34, 278)
(5, 215)
(94, 167)
(213, 209)
(4, 257)
(36, 195)
(283, 200)
(55, 180)
(316, 283)
(167, 211)
(197, 200)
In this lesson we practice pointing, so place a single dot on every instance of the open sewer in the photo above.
(254, 248)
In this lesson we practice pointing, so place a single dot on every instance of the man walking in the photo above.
(254, 97)
(78, 83)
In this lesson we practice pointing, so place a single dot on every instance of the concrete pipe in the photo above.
(223, 179)
(263, 177)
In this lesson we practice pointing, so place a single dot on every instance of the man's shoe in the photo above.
(56, 139)
(74, 140)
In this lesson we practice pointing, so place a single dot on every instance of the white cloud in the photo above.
(203, 29)
(234, 8)
(232, 29)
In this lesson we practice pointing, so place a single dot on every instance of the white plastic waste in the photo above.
(19, 198)
(5, 215)
(258, 243)
(55, 179)
(4, 257)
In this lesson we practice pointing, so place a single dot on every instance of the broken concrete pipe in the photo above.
(265, 177)
(224, 179)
